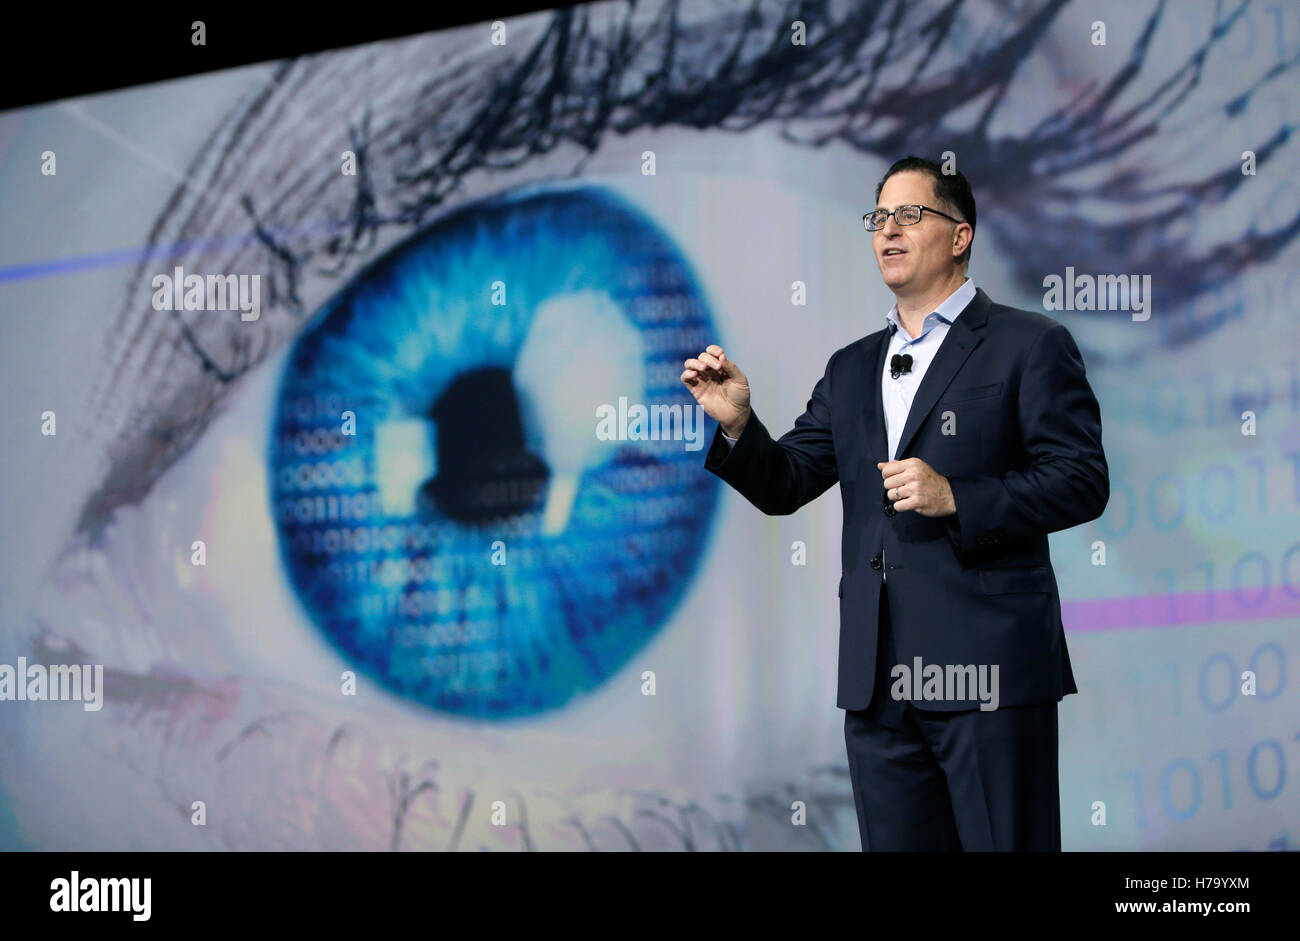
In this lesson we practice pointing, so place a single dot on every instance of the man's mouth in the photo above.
(893, 251)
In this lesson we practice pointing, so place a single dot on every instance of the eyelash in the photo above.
(1051, 143)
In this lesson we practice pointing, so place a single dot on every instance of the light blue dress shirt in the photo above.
(897, 394)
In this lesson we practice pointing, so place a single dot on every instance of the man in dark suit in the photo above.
(961, 434)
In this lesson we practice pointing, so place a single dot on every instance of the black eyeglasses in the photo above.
(903, 215)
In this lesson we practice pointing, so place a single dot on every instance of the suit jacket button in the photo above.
(876, 563)
(890, 511)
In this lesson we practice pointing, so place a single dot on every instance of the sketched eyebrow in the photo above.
(584, 73)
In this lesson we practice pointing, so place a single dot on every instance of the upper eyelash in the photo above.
(762, 86)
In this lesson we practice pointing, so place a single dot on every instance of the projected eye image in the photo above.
(425, 527)
(476, 544)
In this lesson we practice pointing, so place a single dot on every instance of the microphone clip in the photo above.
(898, 365)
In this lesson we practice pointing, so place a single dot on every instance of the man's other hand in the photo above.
(912, 484)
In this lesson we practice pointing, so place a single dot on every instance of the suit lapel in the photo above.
(876, 438)
(961, 339)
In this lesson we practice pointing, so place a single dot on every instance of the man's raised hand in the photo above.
(721, 389)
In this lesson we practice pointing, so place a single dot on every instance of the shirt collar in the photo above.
(947, 311)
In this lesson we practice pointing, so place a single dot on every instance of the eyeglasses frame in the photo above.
(866, 217)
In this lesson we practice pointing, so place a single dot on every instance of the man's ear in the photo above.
(958, 246)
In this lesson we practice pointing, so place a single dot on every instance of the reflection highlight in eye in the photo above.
(468, 584)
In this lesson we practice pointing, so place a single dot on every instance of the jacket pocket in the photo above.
(1004, 581)
(969, 393)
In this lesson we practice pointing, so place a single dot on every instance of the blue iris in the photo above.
(451, 521)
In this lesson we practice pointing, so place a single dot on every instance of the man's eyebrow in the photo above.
(583, 73)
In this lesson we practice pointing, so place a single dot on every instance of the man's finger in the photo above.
(901, 462)
(698, 366)
(711, 361)
(897, 480)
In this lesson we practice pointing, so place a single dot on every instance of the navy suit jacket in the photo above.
(1024, 459)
